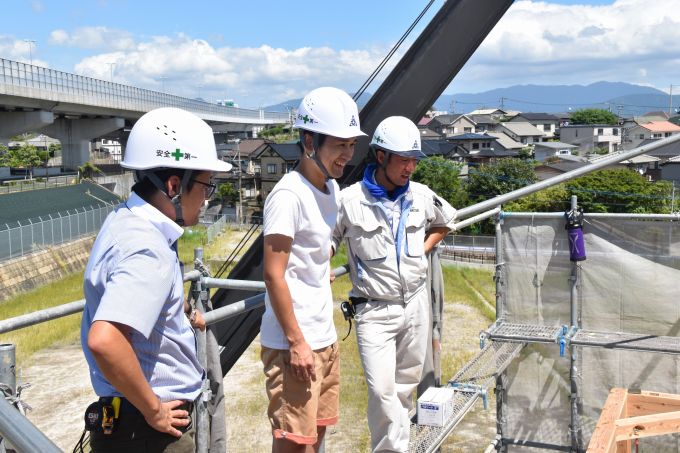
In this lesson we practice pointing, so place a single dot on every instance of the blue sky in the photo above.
(264, 52)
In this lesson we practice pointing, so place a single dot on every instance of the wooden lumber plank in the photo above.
(647, 425)
(648, 403)
(603, 438)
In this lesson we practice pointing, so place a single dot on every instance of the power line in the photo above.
(392, 51)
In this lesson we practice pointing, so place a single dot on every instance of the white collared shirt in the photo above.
(133, 277)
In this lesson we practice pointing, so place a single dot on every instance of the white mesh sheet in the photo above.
(630, 282)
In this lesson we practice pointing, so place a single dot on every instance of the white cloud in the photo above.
(540, 42)
(98, 37)
(253, 76)
(37, 6)
(19, 50)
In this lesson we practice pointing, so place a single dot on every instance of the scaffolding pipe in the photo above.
(251, 303)
(500, 313)
(202, 418)
(70, 308)
(36, 317)
(246, 285)
(575, 426)
(469, 221)
(21, 433)
(524, 191)
(8, 376)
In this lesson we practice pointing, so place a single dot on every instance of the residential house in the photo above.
(276, 159)
(495, 113)
(447, 125)
(240, 152)
(557, 165)
(505, 143)
(485, 123)
(589, 137)
(479, 148)
(447, 150)
(425, 132)
(652, 130)
(645, 165)
(563, 118)
(441, 148)
(670, 170)
(544, 122)
(545, 150)
(648, 117)
(522, 132)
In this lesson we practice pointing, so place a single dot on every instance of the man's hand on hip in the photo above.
(168, 417)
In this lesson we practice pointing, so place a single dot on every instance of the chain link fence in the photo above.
(218, 224)
(469, 249)
(31, 236)
(22, 185)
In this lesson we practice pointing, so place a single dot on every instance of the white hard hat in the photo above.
(329, 111)
(169, 137)
(398, 135)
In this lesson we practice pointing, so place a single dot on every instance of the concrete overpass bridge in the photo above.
(77, 109)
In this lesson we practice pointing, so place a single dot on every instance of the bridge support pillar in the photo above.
(75, 135)
(17, 122)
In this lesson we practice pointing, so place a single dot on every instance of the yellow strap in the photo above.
(116, 406)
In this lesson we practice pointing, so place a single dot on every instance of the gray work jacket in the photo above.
(371, 250)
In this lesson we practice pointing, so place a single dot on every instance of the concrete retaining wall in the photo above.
(31, 271)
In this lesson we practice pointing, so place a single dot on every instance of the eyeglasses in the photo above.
(208, 188)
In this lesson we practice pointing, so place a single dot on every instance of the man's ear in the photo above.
(172, 185)
(308, 142)
(380, 156)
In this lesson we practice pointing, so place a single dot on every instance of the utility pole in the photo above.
(673, 197)
(670, 102)
(240, 192)
(502, 101)
(30, 49)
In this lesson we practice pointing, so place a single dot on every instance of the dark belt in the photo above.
(356, 301)
(126, 407)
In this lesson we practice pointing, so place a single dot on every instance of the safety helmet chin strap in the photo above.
(384, 164)
(177, 199)
(313, 155)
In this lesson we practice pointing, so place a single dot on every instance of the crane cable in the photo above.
(382, 64)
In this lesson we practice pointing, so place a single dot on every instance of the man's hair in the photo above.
(145, 188)
(319, 140)
(373, 156)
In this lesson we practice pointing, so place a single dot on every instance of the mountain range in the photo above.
(625, 99)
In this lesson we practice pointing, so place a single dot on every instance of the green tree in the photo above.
(4, 158)
(88, 170)
(443, 177)
(499, 177)
(54, 148)
(227, 193)
(555, 198)
(593, 116)
(621, 190)
(26, 156)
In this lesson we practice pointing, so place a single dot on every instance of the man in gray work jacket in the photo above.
(390, 224)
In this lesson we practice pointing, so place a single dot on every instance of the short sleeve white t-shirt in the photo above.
(297, 209)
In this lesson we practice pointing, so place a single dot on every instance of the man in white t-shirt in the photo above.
(299, 342)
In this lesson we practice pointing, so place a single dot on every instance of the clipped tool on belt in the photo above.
(103, 415)
(348, 312)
